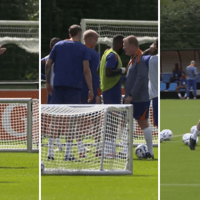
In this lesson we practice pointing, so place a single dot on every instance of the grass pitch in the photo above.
(143, 185)
(180, 178)
(19, 176)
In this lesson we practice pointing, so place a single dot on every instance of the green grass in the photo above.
(19, 176)
(179, 167)
(143, 185)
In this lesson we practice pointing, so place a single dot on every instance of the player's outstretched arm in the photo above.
(47, 73)
(88, 78)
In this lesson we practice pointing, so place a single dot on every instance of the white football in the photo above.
(186, 139)
(167, 134)
(141, 150)
(42, 166)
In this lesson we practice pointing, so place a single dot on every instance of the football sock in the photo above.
(124, 150)
(108, 147)
(113, 146)
(185, 94)
(179, 95)
(80, 147)
(50, 147)
(148, 137)
(68, 149)
(59, 143)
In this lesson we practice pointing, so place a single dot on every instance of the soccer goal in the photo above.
(19, 124)
(145, 31)
(25, 34)
(86, 139)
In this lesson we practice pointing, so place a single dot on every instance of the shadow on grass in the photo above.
(14, 167)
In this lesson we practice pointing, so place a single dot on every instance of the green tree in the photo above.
(180, 24)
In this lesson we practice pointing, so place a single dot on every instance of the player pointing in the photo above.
(194, 136)
(71, 62)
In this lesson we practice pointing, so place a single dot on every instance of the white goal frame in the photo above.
(142, 38)
(18, 32)
(129, 165)
(29, 103)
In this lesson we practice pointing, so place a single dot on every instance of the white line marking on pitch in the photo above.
(193, 185)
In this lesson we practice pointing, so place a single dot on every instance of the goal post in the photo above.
(145, 31)
(87, 139)
(19, 125)
(25, 34)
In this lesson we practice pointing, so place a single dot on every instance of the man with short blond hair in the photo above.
(71, 64)
(136, 88)
(90, 40)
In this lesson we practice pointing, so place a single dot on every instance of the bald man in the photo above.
(194, 136)
(90, 40)
(192, 75)
(136, 88)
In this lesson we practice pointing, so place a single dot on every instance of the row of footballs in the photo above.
(167, 134)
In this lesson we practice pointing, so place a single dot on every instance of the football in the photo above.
(141, 150)
(167, 134)
(186, 138)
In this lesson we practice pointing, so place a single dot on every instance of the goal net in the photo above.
(145, 31)
(80, 139)
(25, 34)
(19, 125)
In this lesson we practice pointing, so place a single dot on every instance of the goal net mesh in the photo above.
(13, 125)
(24, 34)
(85, 138)
(145, 31)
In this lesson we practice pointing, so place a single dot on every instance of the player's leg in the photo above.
(141, 114)
(185, 87)
(57, 95)
(155, 111)
(194, 88)
(52, 136)
(113, 95)
(194, 136)
(178, 92)
(188, 88)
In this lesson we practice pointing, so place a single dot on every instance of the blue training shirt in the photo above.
(94, 64)
(112, 60)
(191, 73)
(68, 57)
